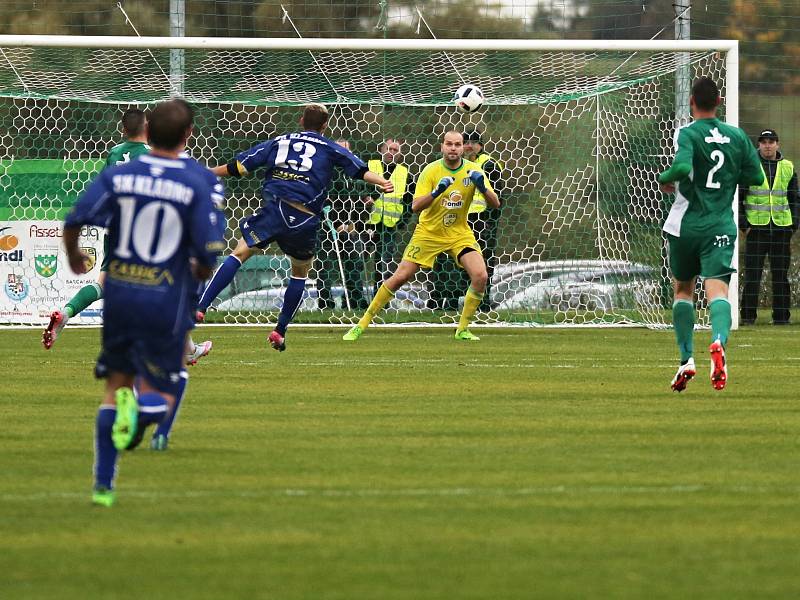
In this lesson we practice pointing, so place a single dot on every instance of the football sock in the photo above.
(720, 310)
(683, 324)
(85, 296)
(165, 426)
(382, 297)
(471, 302)
(105, 458)
(152, 408)
(221, 279)
(291, 302)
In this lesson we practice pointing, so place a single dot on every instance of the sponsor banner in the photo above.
(34, 273)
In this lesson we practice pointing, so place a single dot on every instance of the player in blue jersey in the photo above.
(298, 168)
(165, 232)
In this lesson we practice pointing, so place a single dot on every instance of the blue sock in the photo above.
(291, 302)
(105, 454)
(152, 408)
(165, 426)
(221, 279)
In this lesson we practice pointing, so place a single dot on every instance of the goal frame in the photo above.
(729, 47)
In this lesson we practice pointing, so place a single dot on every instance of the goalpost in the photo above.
(581, 128)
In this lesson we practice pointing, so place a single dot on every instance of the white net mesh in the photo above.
(581, 137)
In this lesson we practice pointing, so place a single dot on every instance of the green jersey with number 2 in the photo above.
(717, 157)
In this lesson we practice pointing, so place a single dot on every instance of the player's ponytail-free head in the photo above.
(170, 124)
(705, 93)
(314, 118)
(133, 122)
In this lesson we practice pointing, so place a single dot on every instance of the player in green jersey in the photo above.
(712, 159)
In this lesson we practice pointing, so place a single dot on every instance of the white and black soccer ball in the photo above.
(468, 98)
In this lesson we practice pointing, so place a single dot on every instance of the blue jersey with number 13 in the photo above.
(299, 166)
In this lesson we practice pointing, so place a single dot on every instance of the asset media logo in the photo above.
(8, 246)
(46, 261)
(16, 287)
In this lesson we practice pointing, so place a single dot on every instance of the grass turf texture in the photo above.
(537, 463)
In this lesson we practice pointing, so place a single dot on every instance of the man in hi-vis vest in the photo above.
(768, 216)
(448, 280)
(389, 213)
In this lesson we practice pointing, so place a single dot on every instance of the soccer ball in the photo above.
(468, 98)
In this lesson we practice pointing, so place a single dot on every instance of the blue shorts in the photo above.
(293, 230)
(156, 356)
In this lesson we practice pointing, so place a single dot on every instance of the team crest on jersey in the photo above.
(453, 200)
(448, 219)
(92, 253)
(46, 264)
(717, 138)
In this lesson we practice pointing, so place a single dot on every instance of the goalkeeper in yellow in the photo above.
(442, 197)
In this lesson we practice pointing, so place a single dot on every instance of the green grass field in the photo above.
(535, 464)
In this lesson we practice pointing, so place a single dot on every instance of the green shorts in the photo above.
(106, 255)
(709, 256)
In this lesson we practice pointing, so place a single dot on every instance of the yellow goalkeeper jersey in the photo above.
(447, 215)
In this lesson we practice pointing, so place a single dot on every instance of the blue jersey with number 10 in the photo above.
(159, 213)
(299, 166)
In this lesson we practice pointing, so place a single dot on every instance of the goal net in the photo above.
(580, 134)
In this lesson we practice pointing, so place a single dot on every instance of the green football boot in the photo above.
(126, 423)
(103, 497)
(354, 333)
(466, 335)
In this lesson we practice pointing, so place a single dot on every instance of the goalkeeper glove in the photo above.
(444, 183)
(479, 181)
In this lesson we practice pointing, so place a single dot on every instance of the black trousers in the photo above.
(775, 243)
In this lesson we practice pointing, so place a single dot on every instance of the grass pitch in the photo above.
(534, 464)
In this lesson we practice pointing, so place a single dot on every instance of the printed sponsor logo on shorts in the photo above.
(448, 219)
(722, 241)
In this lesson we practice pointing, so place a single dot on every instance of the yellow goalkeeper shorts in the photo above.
(423, 249)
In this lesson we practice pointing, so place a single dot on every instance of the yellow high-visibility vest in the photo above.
(389, 207)
(763, 203)
(478, 201)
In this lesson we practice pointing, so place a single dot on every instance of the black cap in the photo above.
(768, 134)
(473, 136)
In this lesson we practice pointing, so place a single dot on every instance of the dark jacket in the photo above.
(770, 169)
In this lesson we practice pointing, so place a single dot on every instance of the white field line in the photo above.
(469, 492)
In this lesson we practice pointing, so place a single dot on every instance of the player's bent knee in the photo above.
(301, 267)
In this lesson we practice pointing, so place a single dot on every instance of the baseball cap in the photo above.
(473, 136)
(768, 134)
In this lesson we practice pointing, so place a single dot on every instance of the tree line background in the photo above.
(770, 46)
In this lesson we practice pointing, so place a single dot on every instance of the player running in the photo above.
(165, 231)
(134, 129)
(298, 168)
(444, 192)
(711, 160)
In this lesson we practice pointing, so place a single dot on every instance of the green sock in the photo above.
(683, 323)
(85, 296)
(720, 310)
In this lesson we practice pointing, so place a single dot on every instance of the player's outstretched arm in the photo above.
(375, 179)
